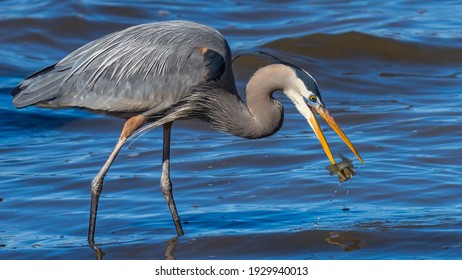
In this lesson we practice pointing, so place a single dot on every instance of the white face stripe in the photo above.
(305, 93)
(300, 87)
(298, 99)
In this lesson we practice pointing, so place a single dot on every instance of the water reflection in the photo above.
(170, 246)
(98, 252)
(348, 244)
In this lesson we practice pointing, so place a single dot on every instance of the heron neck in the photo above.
(260, 116)
(266, 111)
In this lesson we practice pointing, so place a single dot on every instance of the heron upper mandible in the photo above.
(154, 74)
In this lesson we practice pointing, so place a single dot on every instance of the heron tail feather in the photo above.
(41, 86)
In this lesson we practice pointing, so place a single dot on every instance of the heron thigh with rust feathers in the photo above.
(154, 74)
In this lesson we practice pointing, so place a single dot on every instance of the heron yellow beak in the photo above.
(324, 113)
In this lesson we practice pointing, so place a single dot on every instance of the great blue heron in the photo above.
(156, 73)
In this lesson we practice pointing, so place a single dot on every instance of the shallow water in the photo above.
(390, 73)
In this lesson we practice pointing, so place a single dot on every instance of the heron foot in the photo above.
(96, 189)
(166, 186)
(173, 211)
(92, 222)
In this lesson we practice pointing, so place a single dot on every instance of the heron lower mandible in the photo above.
(154, 74)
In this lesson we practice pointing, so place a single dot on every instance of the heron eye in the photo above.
(313, 98)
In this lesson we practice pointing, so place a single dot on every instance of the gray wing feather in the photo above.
(145, 67)
(37, 87)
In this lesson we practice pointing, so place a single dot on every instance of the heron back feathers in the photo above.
(141, 68)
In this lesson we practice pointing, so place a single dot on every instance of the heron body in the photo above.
(156, 73)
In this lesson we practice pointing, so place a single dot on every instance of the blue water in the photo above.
(390, 73)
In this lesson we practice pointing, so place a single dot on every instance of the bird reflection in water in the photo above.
(171, 244)
(347, 244)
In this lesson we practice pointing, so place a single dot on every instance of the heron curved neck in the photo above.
(261, 115)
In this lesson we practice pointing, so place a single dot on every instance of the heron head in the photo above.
(304, 93)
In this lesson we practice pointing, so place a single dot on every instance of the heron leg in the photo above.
(131, 125)
(165, 182)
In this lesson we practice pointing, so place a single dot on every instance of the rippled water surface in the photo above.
(390, 72)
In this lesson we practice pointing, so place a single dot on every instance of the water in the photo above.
(390, 73)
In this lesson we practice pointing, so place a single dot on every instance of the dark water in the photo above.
(390, 73)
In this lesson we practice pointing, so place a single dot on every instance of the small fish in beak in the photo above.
(344, 169)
